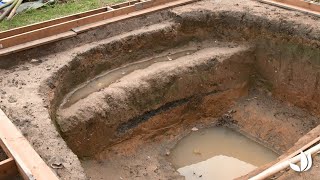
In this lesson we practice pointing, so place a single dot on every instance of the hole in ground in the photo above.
(218, 153)
(127, 124)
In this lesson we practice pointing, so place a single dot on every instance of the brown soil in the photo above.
(3, 155)
(152, 89)
(129, 161)
(255, 71)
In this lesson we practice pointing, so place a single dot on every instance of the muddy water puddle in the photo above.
(107, 78)
(218, 153)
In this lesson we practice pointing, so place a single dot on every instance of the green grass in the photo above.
(53, 11)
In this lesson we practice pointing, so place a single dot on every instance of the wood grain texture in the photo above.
(29, 163)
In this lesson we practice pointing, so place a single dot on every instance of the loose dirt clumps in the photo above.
(248, 68)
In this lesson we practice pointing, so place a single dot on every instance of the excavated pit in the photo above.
(116, 102)
(150, 88)
(207, 152)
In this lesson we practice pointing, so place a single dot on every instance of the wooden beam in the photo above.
(37, 42)
(301, 4)
(63, 30)
(8, 169)
(303, 148)
(29, 163)
(147, 8)
(306, 7)
(50, 28)
(20, 30)
(124, 4)
(62, 27)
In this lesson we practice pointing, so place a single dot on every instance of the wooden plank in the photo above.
(121, 11)
(62, 27)
(8, 169)
(68, 25)
(301, 4)
(63, 30)
(20, 30)
(291, 7)
(303, 148)
(29, 163)
(37, 42)
(124, 4)
(145, 11)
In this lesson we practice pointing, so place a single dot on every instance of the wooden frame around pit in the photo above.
(297, 5)
(22, 158)
(27, 37)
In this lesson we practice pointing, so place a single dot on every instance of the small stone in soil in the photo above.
(12, 99)
(35, 61)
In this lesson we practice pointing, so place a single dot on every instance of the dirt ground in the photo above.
(256, 71)
(128, 161)
(3, 155)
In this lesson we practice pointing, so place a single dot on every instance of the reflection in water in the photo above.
(218, 153)
(107, 78)
(217, 167)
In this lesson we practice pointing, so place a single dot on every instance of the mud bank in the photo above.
(249, 69)
(233, 65)
(122, 106)
(233, 61)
